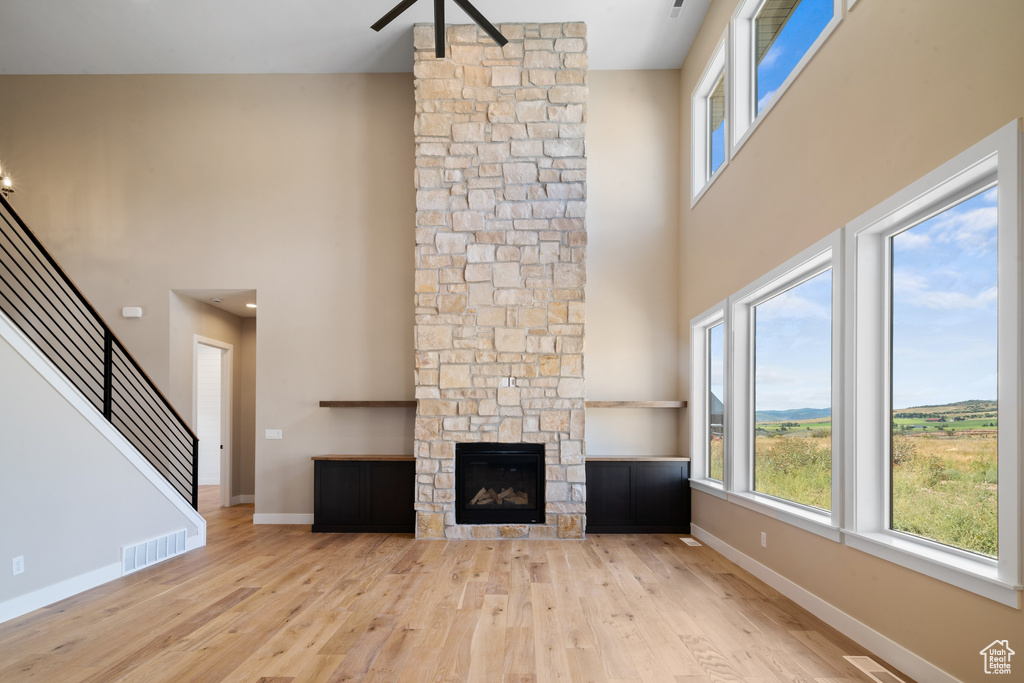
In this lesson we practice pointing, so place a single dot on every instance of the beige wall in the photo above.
(297, 186)
(188, 318)
(632, 263)
(301, 187)
(900, 87)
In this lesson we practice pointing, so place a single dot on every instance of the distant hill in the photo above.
(794, 415)
(970, 406)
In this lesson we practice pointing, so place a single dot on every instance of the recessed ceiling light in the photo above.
(216, 301)
(250, 305)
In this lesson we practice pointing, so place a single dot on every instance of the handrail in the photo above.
(46, 305)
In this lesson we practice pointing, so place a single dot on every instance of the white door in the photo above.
(208, 412)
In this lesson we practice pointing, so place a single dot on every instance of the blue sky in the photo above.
(944, 306)
(944, 319)
(716, 360)
(809, 19)
(793, 347)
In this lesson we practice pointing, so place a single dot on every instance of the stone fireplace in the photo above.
(501, 265)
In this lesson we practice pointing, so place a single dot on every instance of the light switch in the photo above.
(274, 434)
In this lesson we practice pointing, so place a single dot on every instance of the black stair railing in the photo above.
(51, 311)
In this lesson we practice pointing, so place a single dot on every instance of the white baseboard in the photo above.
(271, 518)
(243, 500)
(23, 604)
(883, 646)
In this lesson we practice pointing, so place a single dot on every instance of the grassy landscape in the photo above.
(944, 471)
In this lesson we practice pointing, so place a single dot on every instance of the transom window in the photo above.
(710, 120)
(773, 40)
(784, 31)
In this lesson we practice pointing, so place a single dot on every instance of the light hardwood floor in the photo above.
(278, 603)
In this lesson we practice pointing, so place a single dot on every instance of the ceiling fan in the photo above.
(466, 6)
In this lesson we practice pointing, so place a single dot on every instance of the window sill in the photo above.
(978, 576)
(710, 486)
(706, 186)
(819, 523)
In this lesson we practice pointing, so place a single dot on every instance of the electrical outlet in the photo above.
(18, 565)
(274, 434)
(764, 540)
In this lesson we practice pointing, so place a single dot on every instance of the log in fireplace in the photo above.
(499, 483)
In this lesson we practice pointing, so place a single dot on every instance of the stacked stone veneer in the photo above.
(500, 263)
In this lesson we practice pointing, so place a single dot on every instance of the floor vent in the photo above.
(690, 541)
(142, 555)
(874, 670)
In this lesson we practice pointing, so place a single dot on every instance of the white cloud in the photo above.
(767, 98)
(915, 289)
(791, 306)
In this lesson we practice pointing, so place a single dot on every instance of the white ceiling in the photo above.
(304, 36)
(231, 300)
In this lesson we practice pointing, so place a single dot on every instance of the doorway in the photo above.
(212, 374)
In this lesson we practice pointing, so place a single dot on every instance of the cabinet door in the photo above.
(392, 491)
(608, 494)
(339, 497)
(659, 494)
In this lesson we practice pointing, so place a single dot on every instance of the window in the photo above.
(715, 402)
(934, 458)
(943, 377)
(707, 397)
(709, 114)
(793, 394)
(773, 40)
(785, 381)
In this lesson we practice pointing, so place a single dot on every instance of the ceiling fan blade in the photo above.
(439, 29)
(390, 16)
(482, 22)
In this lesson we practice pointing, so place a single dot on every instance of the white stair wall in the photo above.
(73, 491)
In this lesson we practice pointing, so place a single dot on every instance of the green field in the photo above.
(944, 474)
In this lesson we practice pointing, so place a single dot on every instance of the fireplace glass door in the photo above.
(499, 483)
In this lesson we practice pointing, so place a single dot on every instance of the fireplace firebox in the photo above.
(499, 483)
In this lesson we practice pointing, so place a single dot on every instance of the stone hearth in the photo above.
(501, 263)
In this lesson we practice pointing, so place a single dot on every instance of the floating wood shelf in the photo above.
(637, 458)
(367, 404)
(366, 458)
(636, 404)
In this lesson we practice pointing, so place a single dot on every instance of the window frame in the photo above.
(700, 386)
(823, 255)
(996, 159)
(717, 67)
(743, 95)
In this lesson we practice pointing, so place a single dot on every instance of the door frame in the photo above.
(226, 373)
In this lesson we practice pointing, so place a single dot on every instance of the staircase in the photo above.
(43, 302)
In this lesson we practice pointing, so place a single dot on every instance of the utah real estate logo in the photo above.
(997, 657)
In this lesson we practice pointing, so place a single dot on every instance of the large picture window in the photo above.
(785, 379)
(934, 458)
(944, 339)
(793, 394)
(870, 386)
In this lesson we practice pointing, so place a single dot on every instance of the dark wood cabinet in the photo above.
(638, 495)
(366, 494)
